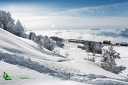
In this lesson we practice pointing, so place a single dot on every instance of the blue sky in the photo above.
(68, 14)
(67, 3)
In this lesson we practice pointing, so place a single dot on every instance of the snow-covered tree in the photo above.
(93, 47)
(108, 61)
(40, 40)
(19, 30)
(32, 36)
(44, 41)
(59, 41)
(98, 47)
(1, 25)
(7, 23)
(10, 27)
(48, 43)
(89, 47)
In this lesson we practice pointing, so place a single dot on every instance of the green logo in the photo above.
(6, 77)
(24, 78)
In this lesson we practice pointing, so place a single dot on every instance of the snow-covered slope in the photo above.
(21, 57)
(13, 44)
(76, 60)
(34, 78)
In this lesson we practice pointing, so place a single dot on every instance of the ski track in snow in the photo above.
(51, 69)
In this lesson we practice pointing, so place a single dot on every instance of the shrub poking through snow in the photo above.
(90, 59)
(108, 61)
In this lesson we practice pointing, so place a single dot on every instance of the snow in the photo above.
(34, 78)
(124, 59)
(22, 57)
(14, 44)
(76, 61)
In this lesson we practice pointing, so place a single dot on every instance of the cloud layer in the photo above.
(42, 17)
(91, 35)
(119, 9)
